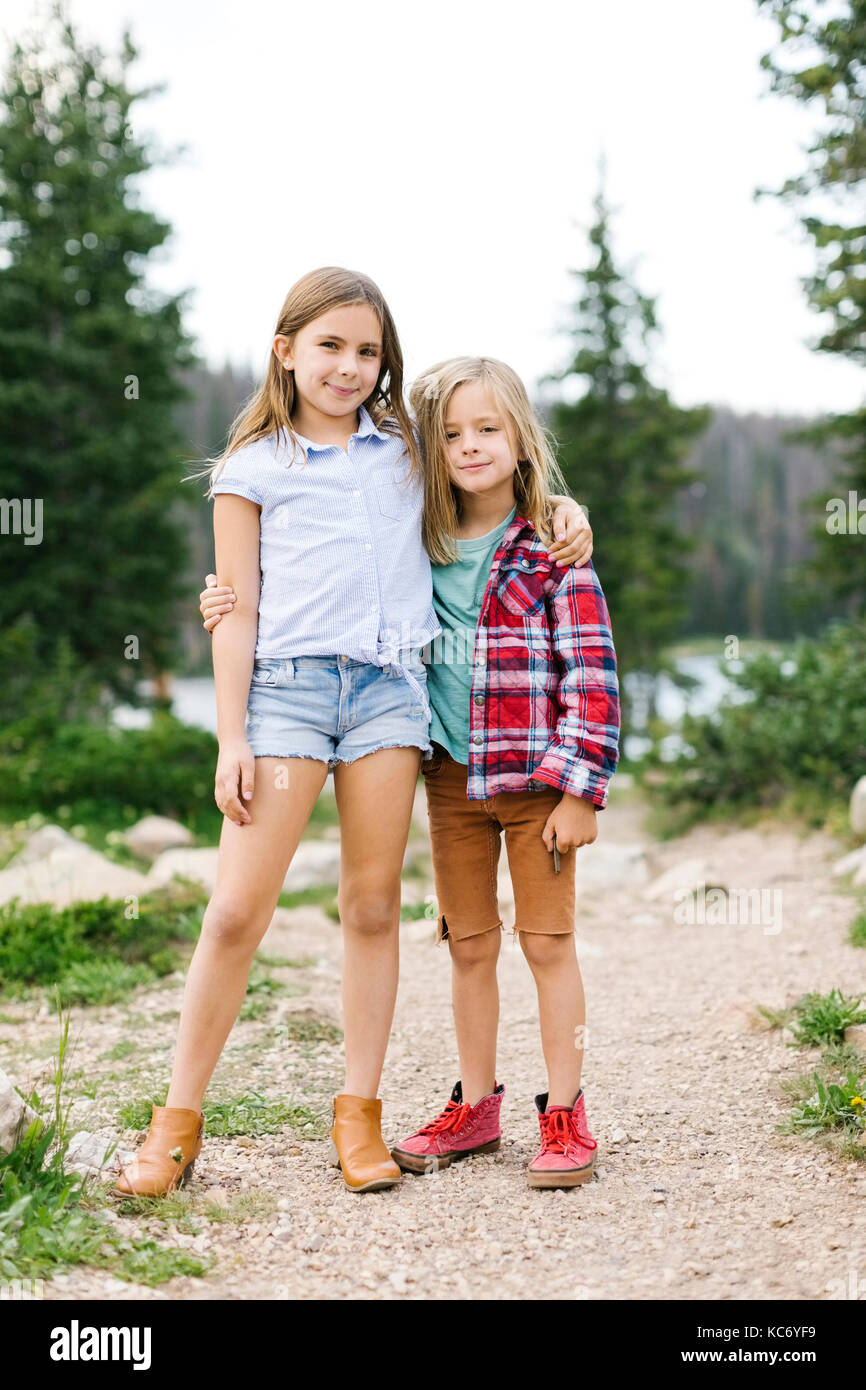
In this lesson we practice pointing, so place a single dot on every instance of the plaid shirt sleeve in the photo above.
(584, 751)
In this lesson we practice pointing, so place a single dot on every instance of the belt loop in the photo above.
(289, 667)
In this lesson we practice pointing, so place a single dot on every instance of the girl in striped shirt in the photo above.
(317, 531)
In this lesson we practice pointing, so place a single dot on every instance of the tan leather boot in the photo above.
(357, 1146)
(166, 1158)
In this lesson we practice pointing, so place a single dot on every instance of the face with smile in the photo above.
(482, 443)
(336, 360)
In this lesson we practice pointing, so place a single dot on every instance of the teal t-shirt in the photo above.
(458, 591)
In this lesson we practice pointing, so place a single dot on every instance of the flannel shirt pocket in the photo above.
(520, 591)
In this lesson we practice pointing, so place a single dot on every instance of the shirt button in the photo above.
(344, 658)
(479, 699)
(477, 739)
(479, 661)
(525, 564)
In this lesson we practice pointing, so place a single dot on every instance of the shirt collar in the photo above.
(518, 525)
(366, 427)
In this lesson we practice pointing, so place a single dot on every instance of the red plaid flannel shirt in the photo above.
(545, 696)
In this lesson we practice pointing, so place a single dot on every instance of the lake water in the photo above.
(194, 701)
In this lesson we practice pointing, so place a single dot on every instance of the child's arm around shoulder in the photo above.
(236, 547)
(584, 748)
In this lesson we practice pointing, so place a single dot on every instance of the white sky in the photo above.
(450, 150)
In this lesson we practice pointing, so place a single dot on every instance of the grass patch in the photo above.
(119, 1051)
(306, 1028)
(831, 1107)
(414, 912)
(174, 1207)
(286, 962)
(262, 993)
(49, 1221)
(857, 930)
(318, 894)
(818, 1020)
(250, 1114)
(242, 1207)
(821, 1019)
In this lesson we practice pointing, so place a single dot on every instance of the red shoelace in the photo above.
(559, 1132)
(453, 1117)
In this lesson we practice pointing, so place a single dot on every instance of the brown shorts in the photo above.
(466, 840)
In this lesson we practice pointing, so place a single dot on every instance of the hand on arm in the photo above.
(236, 543)
(573, 543)
(213, 601)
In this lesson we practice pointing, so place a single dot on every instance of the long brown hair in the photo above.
(537, 473)
(269, 409)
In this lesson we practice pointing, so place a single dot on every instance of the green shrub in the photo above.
(167, 769)
(93, 950)
(800, 737)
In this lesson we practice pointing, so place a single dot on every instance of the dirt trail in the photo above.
(702, 1200)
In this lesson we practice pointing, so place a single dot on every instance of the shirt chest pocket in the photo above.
(521, 593)
(389, 492)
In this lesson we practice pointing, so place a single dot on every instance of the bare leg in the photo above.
(375, 795)
(562, 1010)
(253, 860)
(475, 999)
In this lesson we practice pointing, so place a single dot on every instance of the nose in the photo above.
(469, 445)
(348, 366)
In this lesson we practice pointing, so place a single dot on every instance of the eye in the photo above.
(328, 344)
(492, 428)
(452, 435)
(371, 352)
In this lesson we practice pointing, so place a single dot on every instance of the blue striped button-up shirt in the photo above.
(344, 570)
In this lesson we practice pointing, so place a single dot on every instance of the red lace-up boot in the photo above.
(567, 1153)
(460, 1130)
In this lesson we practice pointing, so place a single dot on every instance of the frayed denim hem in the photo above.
(314, 756)
(396, 743)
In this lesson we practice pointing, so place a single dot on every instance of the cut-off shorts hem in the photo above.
(444, 932)
(333, 762)
(314, 757)
(378, 748)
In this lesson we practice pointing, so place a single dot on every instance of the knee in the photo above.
(541, 949)
(229, 925)
(369, 912)
(476, 951)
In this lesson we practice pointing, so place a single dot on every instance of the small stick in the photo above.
(555, 855)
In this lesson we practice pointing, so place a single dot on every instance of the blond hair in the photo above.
(269, 409)
(537, 473)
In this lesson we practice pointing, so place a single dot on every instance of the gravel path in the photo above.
(695, 1197)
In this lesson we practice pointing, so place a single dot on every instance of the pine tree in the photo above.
(821, 62)
(88, 361)
(621, 446)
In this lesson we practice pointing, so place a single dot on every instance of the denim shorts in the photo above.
(334, 708)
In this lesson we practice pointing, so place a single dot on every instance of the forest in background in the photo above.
(748, 511)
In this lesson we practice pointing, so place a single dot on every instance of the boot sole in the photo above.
(187, 1173)
(564, 1177)
(420, 1163)
(374, 1186)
